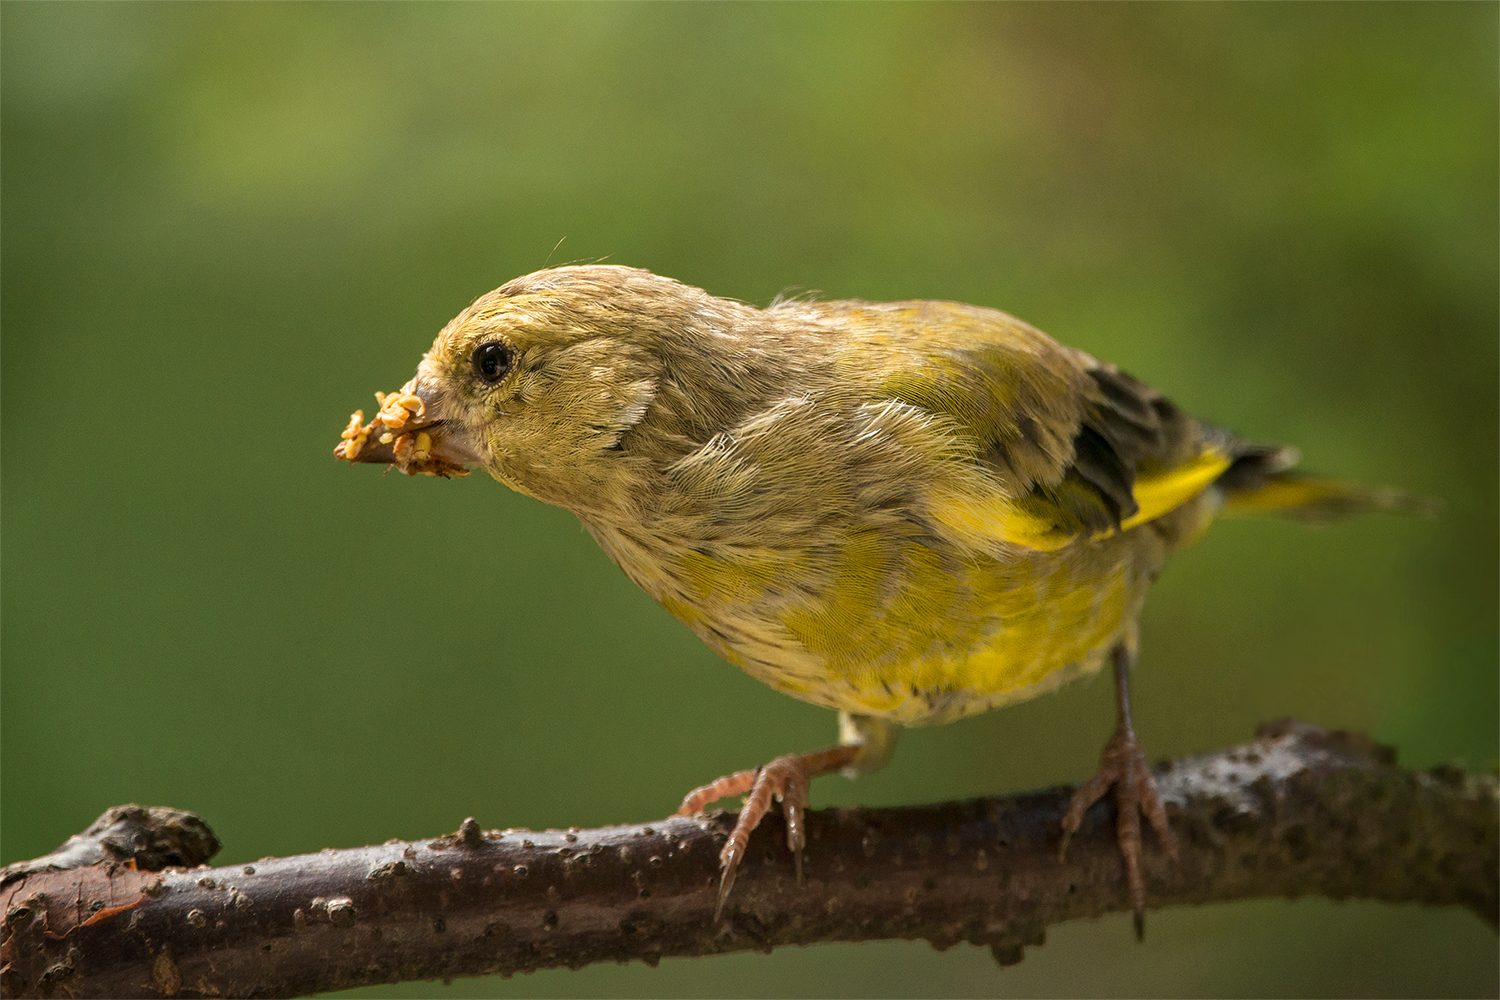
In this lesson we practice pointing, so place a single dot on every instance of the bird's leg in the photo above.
(866, 743)
(1124, 767)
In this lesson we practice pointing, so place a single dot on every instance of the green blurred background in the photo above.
(225, 225)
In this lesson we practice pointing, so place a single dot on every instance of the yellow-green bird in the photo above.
(909, 512)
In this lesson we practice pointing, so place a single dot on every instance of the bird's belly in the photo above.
(995, 634)
(902, 630)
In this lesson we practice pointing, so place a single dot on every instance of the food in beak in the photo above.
(398, 436)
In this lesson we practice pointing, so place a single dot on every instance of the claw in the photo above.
(730, 862)
(796, 837)
(786, 780)
(1123, 767)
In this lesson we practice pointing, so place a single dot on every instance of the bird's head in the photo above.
(566, 385)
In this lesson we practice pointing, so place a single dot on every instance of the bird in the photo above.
(909, 512)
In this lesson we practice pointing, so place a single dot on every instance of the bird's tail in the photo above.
(1260, 480)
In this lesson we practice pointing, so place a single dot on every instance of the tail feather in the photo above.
(1260, 481)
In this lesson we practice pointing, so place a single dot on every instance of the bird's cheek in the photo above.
(506, 466)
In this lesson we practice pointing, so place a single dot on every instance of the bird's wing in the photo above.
(1055, 446)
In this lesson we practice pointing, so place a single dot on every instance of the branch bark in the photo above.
(1297, 812)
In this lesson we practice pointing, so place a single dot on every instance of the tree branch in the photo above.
(1297, 812)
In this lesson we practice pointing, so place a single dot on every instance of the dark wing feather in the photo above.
(1126, 428)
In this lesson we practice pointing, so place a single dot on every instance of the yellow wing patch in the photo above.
(980, 515)
(1166, 491)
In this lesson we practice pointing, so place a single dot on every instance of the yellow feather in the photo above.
(984, 515)
(1162, 492)
(981, 515)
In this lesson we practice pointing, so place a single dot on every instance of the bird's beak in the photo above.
(410, 432)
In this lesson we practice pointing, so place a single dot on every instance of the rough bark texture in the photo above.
(1297, 812)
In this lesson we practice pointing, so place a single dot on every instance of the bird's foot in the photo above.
(1123, 766)
(787, 779)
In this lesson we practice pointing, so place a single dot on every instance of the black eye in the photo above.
(491, 360)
